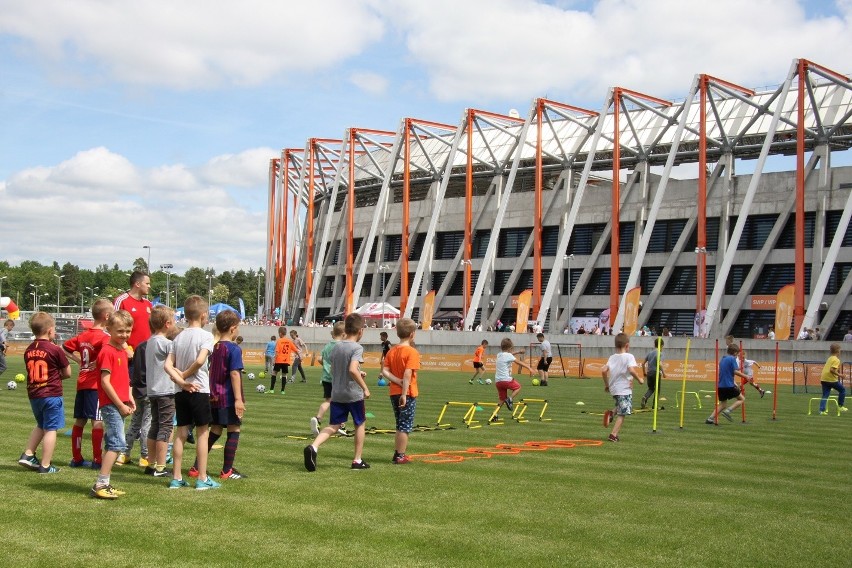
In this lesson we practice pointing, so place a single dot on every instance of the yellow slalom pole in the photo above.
(683, 383)
(657, 387)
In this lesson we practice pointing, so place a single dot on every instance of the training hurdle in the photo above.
(832, 398)
(682, 393)
(521, 408)
(493, 419)
(470, 409)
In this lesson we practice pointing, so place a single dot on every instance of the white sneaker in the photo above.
(314, 425)
(342, 430)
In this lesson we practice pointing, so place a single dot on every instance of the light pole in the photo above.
(59, 278)
(35, 296)
(168, 269)
(209, 288)
(93, 291)
(569, 258)
(383, 268)
(148, 265)
(259, 276)
(82, 303)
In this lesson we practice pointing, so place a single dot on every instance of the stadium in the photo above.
(482, 210)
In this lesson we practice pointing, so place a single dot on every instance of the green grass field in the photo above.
(763, 493)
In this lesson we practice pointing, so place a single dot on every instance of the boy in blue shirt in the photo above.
(728, 390)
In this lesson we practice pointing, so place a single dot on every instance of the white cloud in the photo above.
(194, 43)
(98, 208)
(504, 49)
(369, 82)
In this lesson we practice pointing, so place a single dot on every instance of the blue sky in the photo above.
(125, 125)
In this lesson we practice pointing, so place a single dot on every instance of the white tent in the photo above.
(378, 310)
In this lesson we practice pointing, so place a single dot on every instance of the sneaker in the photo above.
(117, 491)
(470, 382)
(303, 381)
(613, 438)
(543, 384)
(143, 462)
(209, 483)
(282, 391)
(360, 465)
(480, 382)
(49, 469)
(314, 425)
(178, 483)
(190, 438)
(103, 492)
(169, 460)
(342, 430)
(149, 471)
(607, 418)
(232, 474)
(709, 421)
(727, 414)
(310, 458)
(509, 404)
(193, 471)
(164, 473)
(401, 459)
(96, 465)
(81, 463)
(29, 461)
(824, 413)
(122, 459)
(844, 409)
(762, 393)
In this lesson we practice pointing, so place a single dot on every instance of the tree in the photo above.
(140, 265)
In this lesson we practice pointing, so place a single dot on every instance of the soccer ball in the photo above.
(11, 385)
(251, 376)
(382, 383)
(487, 381)
(260, 388)
(261, 375)
(19, 378)
(535, 382)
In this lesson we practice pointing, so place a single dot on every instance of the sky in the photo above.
(126, 125)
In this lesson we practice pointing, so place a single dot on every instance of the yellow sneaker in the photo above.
(844, 409)
(117, 491)
(143, 462)
(103, 492)
(121, 459)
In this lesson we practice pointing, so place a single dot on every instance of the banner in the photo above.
(523, 314)
(784, 312)
(698, 323)
(631, 310)
(428, 310)
(242, 309)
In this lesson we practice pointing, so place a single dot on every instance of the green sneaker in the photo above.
(282, 391)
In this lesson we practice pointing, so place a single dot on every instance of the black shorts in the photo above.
(478, 365)
(728, 393)
(283, 367)
(544, 363)
(326, 389)
(225, 416)
(192, 408)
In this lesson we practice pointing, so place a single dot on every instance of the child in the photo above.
(507, 387)
(337, 332)
(478, 365)
(545, 361)
(160, 388)
(187, 361)
(831, 379)
(47, 367)
(618, 374)
(386, 345)
(727, 389)
(400, 368)
(140, 421)
(114, 398)
(270, 354)
(748, 369)
(284, 349)
(298, 354)
(84, 349)
(7, 328)
(650, 368)
(348, 392)
(227, 401)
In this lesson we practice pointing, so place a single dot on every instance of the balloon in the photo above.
(11, 307)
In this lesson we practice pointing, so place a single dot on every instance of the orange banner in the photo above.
(784, 312)
(631, 310)
(523, 314)
(428, 310)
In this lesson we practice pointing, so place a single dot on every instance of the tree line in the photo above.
(32, 284)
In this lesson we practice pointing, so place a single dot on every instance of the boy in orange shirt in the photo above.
(284, 350)
(400, 368)
(478, 365)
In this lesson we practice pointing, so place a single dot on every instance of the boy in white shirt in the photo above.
(618, 374)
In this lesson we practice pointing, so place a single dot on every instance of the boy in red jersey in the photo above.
(47, 366)
(400, 368)
(84, 350)
(114, 398)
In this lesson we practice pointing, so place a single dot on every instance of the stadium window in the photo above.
(512, 242)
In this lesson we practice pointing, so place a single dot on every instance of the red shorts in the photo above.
(503, 386)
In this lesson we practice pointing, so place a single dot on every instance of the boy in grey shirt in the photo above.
(348, 392)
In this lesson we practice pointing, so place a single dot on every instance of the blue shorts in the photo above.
(49, 412)
(623, 404)
(225, 416)
(86, 404)
(340, 411)
(114, 440)
(405, 415)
